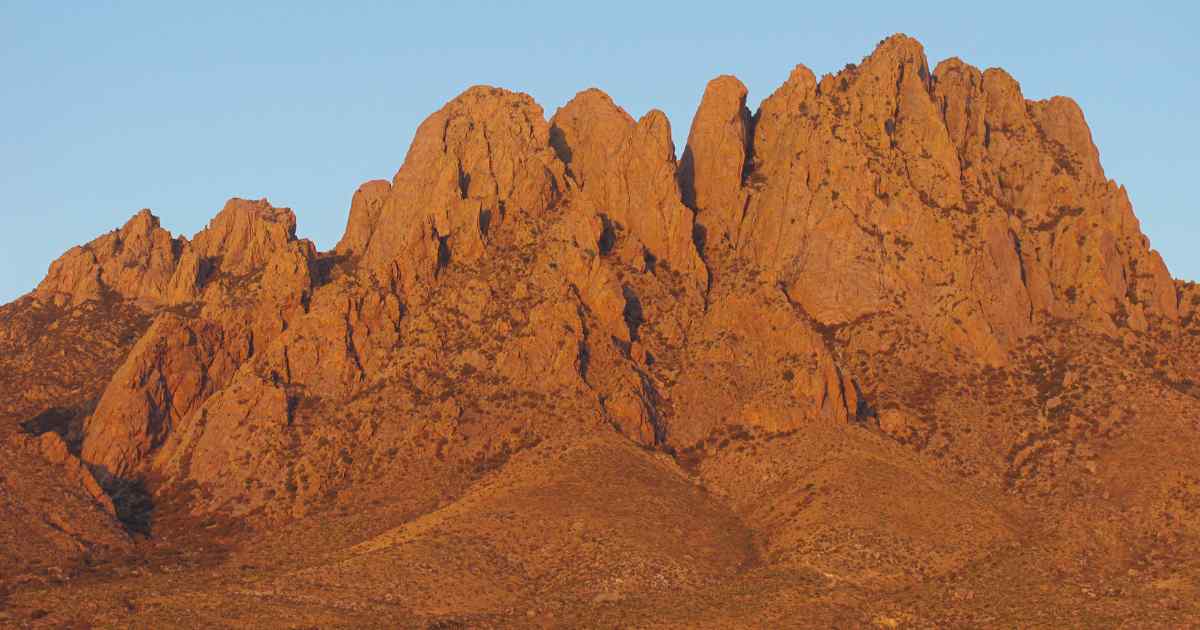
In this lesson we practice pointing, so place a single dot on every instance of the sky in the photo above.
(110, 107)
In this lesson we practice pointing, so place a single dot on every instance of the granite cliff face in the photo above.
(941, 198)
(874, 318)
(136, 262)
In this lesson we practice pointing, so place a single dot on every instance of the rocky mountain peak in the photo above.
(245, 235)
(715, 160)
(883, 305)
(473, 165)
(136, 261)
(593, 115)
(626, 172)
(367, 204)
(901, 50)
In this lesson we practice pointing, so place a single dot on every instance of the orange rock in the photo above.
(136, 262)
(900, 424)
(871, 332)
(482, 160)
(627, 172)
(757, 363)
(369, 202)
(715, 160)
(55, 451)
(246, 235)
(174, 367)
(882, 210)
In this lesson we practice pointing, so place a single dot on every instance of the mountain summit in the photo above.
(890, 349)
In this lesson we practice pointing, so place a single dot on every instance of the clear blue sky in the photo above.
(111, 107)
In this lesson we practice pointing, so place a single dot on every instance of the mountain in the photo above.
(890, 351)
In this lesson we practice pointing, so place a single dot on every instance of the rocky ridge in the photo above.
(869, 270)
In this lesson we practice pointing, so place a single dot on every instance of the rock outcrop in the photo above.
(942, 198)
(714, 163)
(176, 365)
(1081, 248)
(883, 273)
(242, 279)
(626, 171)
(881, 332)
(757, 364)
(871, 211)
(245, 236)
(143, 262)
(54, 449)
(855, 204)
(481, 161)
(136, 262)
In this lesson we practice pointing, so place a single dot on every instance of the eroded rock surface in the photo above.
(887, 276)
(137, 261)
(883, 205)
(626, 170)
(715, 160)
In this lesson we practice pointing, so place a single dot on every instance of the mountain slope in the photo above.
(891, 349)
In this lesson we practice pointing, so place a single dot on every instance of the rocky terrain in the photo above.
(889, 351)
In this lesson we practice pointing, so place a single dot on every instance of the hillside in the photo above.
(889, 351)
